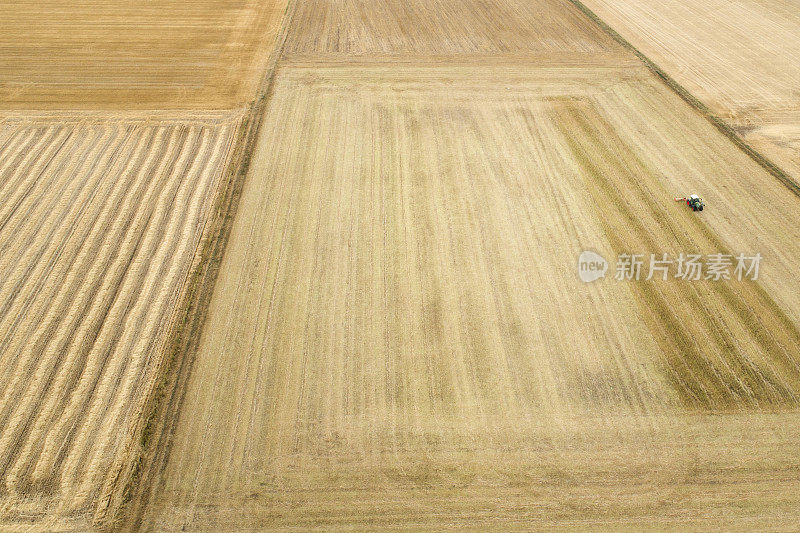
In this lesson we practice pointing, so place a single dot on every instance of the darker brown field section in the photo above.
(726, 344)
(441, 28)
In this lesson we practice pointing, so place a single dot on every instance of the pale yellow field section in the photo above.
(738, 57)
(399, 337)
(98, 227)
(101, 54)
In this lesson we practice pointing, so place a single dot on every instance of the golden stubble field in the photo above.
(739, 58)
(398, 336)
(115, 54)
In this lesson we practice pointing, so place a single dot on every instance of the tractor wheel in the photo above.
(701, 208)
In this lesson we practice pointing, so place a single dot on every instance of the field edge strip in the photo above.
(721, 125)
(125, 502)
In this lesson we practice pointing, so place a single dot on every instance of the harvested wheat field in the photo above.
(114, 54)
(398, 336)
(98, 227)
(739, 58)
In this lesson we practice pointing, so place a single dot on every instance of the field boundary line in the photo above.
(127, 496)
(211, 116)
(721, 125)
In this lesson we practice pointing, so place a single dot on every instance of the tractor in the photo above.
(694, 202)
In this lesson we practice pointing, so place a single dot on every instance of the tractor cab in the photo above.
(695, 202)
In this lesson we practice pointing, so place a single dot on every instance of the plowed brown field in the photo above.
(738, 57)
(399, 338)
(363, 29)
